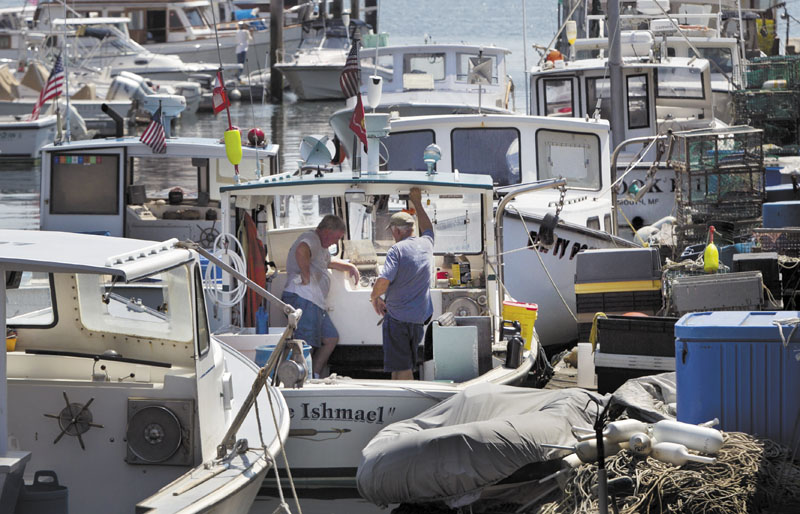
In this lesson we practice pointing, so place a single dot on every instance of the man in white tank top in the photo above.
(307, 285)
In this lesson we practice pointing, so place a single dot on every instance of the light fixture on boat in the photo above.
(571, 29)
(374, 91)
(355, 195)
(431, 156)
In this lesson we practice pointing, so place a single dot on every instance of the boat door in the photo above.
(557, 95)
(82, 190)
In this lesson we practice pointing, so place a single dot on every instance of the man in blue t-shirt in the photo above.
(406, 281)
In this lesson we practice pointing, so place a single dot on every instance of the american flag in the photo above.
(350, 80)
(52, 89)
(154, 135)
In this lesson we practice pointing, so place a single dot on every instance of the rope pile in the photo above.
(750, 475)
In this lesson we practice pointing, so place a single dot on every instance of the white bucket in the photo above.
(586, 377)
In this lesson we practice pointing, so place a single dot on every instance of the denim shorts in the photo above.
(400, 342)
(315, 324)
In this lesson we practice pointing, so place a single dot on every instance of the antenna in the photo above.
(66, 72)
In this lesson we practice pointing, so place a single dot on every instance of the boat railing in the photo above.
(626, 20)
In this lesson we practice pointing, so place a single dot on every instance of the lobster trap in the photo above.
(762, 70)
(719, 180)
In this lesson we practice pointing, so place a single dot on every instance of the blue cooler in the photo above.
(733, 366)
(264, 351)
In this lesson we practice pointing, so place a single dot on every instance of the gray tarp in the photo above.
(474, 439)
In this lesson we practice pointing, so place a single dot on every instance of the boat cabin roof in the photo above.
(601, 65)
(67, 252)
(337, 183)
(436, 47)
(203, 147)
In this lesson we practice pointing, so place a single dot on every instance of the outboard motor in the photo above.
(128, 86)
(77, 126)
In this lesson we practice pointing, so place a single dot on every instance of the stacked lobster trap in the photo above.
(719, 180)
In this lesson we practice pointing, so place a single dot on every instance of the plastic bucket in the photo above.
(43, 496)
(526, 314)
(264, 352)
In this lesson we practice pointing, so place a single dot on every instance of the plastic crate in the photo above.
(729, 291)
(733, 366)
(637, 335)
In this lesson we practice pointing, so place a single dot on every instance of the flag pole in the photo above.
(222, 82)
(66, 75)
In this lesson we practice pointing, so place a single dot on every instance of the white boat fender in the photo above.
(619, 431)
(699, 438)
(677, 454)
(640, 444)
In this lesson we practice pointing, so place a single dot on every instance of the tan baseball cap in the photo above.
(401, 219)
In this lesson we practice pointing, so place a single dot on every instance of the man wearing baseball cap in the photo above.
(405, 280)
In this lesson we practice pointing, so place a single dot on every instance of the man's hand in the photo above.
(354, 273)
(415, 195)
(379, 305)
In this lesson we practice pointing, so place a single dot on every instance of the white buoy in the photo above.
(701, 439)
(677, 454)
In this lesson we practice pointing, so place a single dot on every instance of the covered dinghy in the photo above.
(453, 451)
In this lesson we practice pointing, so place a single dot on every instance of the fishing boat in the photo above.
(417, 80)
(313, 70)
(536, 249)
(22, 138)
(333, 418)
(185, 28)
(112, 377)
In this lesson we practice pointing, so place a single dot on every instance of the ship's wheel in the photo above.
(74, 419)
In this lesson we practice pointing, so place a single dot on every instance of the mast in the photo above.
(615, 72)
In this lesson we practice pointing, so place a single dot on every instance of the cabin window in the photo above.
(202, 316)
(84, 184)
(5, 42)
(457, 221)
(465, 63)
(572, 155)
(30, 303)
(559, 99)
(195, 17)
(404, 150)
(720, 59)
(598, 89)
(156, 307)
(385, 65)
(175, 23)
(424, 64)
(638, 108)
(679, 82)
(302, 211)
(487, 151)
(159, 176)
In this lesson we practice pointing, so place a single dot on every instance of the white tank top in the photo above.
(320, 282)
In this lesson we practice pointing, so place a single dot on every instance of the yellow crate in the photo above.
(526, 314)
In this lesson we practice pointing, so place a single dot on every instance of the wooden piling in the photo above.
(275, 47)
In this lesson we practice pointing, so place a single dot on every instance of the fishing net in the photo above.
(750, 475)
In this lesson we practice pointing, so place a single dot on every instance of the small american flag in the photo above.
(52, 89)
(154, 135)
(350, 80)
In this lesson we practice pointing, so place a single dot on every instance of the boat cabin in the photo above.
(515, 150)
(118, 186)
(460, 208)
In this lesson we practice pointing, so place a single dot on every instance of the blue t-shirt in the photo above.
(408, 268)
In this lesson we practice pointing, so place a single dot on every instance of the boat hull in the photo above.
(24, 139)
(555, 324)
(313, 82)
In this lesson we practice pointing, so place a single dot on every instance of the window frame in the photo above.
(646, 103)
(53, 302)
(599, 156)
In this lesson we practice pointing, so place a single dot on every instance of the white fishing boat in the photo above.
(313, 70)
(334, 418)
(183, 28)
(114, 385)
(516, 150)
(672, 94)
(22, 138)
(418, 80)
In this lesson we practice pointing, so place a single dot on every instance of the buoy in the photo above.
(640, 444)
(554, 55)
(233, 146)
(701, 439)
(256, 136)
(677, 454)
(711, 254)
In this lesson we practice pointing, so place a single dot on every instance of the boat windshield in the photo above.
(31, 302)
(722, 57)
(158, 307)
(679, 82)
(196, 17)
(457, 221)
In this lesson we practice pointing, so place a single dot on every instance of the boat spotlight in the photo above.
(431, 156)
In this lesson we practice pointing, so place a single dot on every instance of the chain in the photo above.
(563, 193)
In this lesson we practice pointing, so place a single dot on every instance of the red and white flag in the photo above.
(219, 98)
(350, 79)
(52, 89)
(357, 122)
(154, 136)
